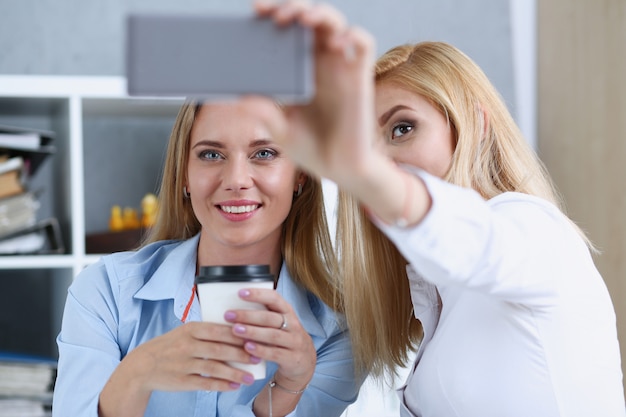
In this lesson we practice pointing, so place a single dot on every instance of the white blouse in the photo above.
(525, 326)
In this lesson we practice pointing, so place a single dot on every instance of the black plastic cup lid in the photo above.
(234, 273)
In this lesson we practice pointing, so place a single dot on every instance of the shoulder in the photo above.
(125, 265)
(121, 271)
(529, 209)
(513, 200)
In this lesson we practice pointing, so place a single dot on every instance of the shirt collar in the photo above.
(174, 279)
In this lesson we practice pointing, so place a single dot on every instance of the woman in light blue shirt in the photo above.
(132, 342)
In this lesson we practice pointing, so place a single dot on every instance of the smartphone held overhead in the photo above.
(218, 56)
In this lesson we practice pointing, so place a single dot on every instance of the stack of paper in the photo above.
(22, 151)
(26, 385)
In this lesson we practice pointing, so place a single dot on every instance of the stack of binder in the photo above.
(22, 152)
(26, 385)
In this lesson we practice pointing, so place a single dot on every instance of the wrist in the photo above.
(289, 388)
(280, 398)
(396, 197)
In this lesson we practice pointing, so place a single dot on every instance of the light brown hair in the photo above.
(306, 244)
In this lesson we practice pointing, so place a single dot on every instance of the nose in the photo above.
(237, 174)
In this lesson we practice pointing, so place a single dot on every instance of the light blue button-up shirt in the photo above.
(128, 298)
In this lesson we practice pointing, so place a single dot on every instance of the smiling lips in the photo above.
(239, 209)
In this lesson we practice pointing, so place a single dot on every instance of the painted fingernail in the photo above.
(230, 315)
(255, 359)
(250, 346)
(248, 379)
(244, 293)
(234, 385)
(239, 328)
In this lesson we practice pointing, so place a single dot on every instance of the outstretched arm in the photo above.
(336, 135)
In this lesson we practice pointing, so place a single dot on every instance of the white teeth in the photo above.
(239, 209)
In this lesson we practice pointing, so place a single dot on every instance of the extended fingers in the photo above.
(321, 17)
(329, 23)
(279, 316)
(204, 345)
(221, 371)
(276, 334)
(355, 43)
(270, 298)
(269, 326)
(296, 360)
(218, 351)
(204, 331)
(269, 319)
(282, 12)
(266, 335)
(180, 360)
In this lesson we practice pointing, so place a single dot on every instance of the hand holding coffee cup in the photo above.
(218, 291)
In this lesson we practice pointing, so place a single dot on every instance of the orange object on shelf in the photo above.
(149, 208)
(116, 223)
(130, 218)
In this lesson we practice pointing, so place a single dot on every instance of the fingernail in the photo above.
(239, 328)
(230, 315)
(250, 346)
(248, 379)
(255, 359)
(244, 293)
(234, 385)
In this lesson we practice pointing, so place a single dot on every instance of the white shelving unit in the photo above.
(65, 101)
(62, 104)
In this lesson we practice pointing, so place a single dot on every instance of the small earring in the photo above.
(299, 192)
(185, 192)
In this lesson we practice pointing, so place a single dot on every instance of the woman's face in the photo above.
(240, 182)
(414, 131)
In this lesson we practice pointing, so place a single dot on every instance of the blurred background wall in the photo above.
(582, 125)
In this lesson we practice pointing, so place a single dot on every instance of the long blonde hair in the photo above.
(306, 243)
(490, 156)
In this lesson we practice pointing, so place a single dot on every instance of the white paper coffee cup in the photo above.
(218, 291)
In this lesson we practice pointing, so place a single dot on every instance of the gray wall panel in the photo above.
(78, 37)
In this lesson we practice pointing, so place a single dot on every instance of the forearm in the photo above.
(389, 192)
(123, 395)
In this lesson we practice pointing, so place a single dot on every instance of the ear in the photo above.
(301, 179)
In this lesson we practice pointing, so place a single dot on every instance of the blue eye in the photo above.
(265, 154)
(210, 155)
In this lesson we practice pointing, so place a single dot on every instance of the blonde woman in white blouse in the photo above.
(450, 233)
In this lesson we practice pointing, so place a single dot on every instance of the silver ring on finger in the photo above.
(283, 326)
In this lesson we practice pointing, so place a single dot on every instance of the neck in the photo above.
(263, 253)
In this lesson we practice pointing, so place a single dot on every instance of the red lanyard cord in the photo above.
(186, 312)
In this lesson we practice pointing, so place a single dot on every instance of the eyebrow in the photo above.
(260, 142)
(387, 115)
(211, 143)
(220, 145)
